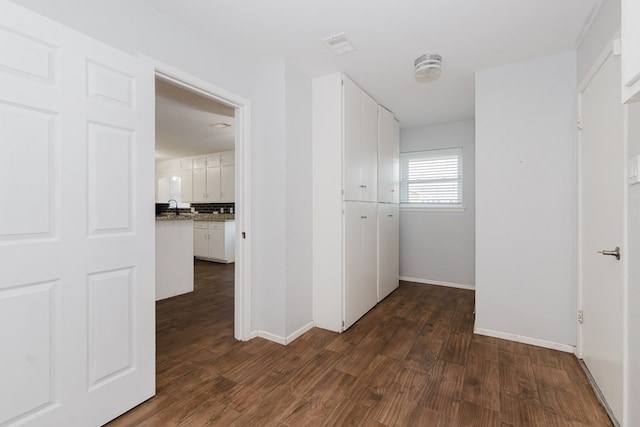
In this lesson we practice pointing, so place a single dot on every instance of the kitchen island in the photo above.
(174, 255)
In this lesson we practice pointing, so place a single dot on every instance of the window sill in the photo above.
(431, 208)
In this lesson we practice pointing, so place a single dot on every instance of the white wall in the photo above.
(526, 200)
(269, 244)
(283, 210)
(299, 202)
(603, 28)
(440, 246)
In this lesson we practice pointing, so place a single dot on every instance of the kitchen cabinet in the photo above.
(214, 240)
(214, 178)
(345, 224)
(174, 180)
(630, 44)
(175, 185)
(228, 183)
(388, 157)
(388, 248)
(360, 114)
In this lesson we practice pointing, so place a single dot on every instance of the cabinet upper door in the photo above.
(228, 158)
(186, 185)
(199, 185)
(213, 184)
(388, 157)
(227, 183)
(352, 148)
(369, 150)
(360, 146)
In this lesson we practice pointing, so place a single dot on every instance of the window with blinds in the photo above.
(432, 177)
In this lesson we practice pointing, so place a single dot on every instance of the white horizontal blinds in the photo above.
(432, 177)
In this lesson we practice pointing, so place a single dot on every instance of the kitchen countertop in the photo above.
(196, 217)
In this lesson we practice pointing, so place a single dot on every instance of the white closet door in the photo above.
(360, 287)
(369, 150)
(388, 157)
(77, 243)
(352, 119)
(388, 248)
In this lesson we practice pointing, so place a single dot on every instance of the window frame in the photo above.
(439, 207)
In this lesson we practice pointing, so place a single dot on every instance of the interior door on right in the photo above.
(602, 186)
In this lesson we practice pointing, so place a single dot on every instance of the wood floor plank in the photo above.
(413, 360)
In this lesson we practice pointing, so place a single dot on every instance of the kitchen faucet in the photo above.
(174, 200)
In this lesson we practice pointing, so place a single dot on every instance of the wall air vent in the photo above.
(339, 44)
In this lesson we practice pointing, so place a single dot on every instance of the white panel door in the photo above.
(228, 183)
(201, 239)
(352, 143)
(199, 185)
(369, 151)
(388, 248)
(360, 287)
(602, 160)
(216, 243)
(77, 308)
(213, 184)
(388, 157)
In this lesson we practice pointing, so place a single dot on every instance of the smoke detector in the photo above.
(428, 67)
(339, 44)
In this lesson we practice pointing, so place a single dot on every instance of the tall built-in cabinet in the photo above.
(347, 182)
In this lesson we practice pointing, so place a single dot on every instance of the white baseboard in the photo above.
(283, 340)
(525, 340)
(437, 283)
(272, 337)
(299, 332)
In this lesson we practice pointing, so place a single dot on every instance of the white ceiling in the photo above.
(469, 34)
(183, 123)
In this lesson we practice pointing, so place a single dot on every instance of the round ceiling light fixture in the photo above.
(428, 67)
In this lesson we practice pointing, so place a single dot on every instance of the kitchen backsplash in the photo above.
(214, 207)
(199, 207)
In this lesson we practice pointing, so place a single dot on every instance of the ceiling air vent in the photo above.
(339, 44)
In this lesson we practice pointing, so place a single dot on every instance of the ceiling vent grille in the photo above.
(339, 44)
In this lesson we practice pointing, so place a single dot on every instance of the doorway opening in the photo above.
(237, 111)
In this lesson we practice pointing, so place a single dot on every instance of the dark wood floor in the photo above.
(412, 361)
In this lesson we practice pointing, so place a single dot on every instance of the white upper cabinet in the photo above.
(227, 183)
(204, 179)
(360, 118)
(388, 157)
(228, 158)
(630, 44)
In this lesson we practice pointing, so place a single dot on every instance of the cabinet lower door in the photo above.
(200, 242)
(216, 244)
(388, 249)
(360, 262)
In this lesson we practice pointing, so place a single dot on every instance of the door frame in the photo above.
(243, 284)
(611, 49)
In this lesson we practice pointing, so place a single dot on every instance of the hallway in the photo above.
(411, 361)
